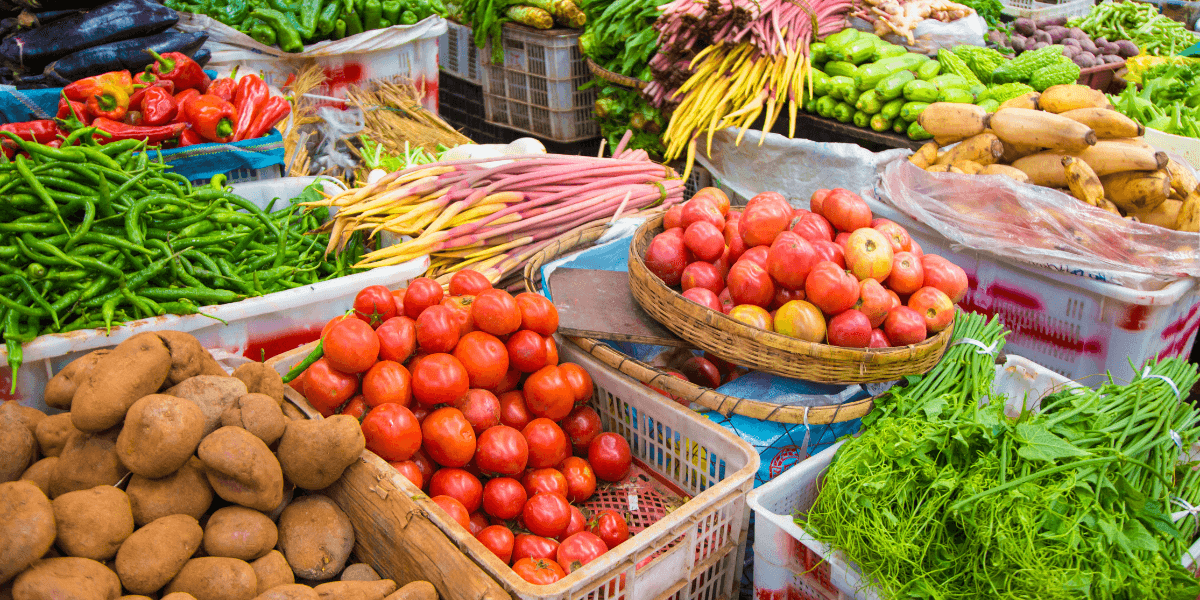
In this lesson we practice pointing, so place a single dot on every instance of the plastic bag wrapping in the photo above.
(1041, 226)
(793, 167)
(931, 34)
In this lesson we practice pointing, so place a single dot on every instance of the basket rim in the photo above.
(654, 377)
(867, 359)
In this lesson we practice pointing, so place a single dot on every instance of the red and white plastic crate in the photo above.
(791, 558)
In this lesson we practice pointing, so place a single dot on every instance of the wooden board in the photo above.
(598, 304)
(852, 133)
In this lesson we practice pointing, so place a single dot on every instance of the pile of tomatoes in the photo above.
(464, 395)
(833, 274)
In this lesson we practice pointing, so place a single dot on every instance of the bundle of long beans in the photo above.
(493, 217)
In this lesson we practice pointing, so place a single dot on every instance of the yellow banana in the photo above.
(1040, 128)
(984, 148)
(1106, 122)
(1137, 191)
(1108, 157)
(1028, 100)
(1165, 215)
(1061, 98)
(1083, 181)
(1189, 212)
(1007, 171)
(925, 155)
(1043, 168)
(951, 122)
(1182, 181)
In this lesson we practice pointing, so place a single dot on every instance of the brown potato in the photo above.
(26, 527)
(272, 570)
(18, 447)
(53, 432)
(356, 590)
(135, 597)
(93, 523)
(41, 472)
(160, 434)
(215, 578)
(178, 596)
(214, 394)
(291, 591)
(137, 367)
(239, 532)
(257, 413)
(61, 388)
(88, 460)
(185, 491)
(241, 469)
(28, 415)
(188, 357)
(314, 454)
(67, 578)
(261, 379)
(154, 554)
(316, 537)
(417, 590)
(360, 572)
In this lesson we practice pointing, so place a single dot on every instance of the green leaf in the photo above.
(1139, 538)
(933, 407)
(1038, 443)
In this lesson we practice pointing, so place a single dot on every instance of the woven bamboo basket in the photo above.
(615, 78)
(764, 350)
(649, 375)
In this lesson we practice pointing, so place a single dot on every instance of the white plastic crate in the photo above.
(536, 88)
(778, 540)
(1074, 325)
(248, 175)
(1039, 10)
(272, 323)
(458, 55)
(689, 551)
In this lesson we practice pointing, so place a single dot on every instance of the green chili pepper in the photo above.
(372, 12)
(339, 29)
(262, 33)
(310, 11)
(354, 24)
(327, 22)
(312, 357)
(392, 10)
(287, 37)
(408, 17)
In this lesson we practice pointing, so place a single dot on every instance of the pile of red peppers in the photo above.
(172, 104)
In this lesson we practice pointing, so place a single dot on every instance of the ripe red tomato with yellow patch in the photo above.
(422, 293)
(581, 480)
(504, 497)
(496, 312)
(327, 388)
(458, 484)
(578, 550)
(526, 351)
(538, 313)
(374, 304)
(544, 481)
(610, 457)
(386, 382)
(548, 445)
(392, 432)
(468, 282)
(439, 379)
(502, 450)
(351, 346)
(546, 514)
(448, 437)
(610, 526)
(542, 571)
(499, 539)
(484, 357)
(548, 393)
(457, 512)
(397, 339)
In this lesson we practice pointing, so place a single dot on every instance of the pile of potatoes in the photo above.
(169, 478)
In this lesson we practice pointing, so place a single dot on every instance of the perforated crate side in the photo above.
(458, 54)
(1035, 10)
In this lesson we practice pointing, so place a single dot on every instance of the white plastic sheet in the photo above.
(931, 34)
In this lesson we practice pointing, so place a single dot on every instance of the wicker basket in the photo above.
(768, 351)
(706, 397)
(615, 78)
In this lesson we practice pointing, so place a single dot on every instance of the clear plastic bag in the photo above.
(932, 34)
(1041, 226)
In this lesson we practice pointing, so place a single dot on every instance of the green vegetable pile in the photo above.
(487, 18)
(91, 236)
(990, 10)
(619, 109)
(1139, 23)
(945, 496)
(620, 37)
(291, 25)
(1169, 100)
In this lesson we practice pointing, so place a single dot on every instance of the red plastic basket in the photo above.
(1100, 77)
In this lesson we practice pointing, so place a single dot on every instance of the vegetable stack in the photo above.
(95, 235)
(1169, 100)
(948, 494)
(1138, 22)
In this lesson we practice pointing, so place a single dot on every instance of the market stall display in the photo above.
(1139, 23)
(1168, 101)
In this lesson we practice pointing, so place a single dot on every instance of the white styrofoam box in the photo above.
(1187, 148)
(1074, 325)
(778, 540)
(267, 324)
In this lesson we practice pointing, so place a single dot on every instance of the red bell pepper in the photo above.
(146, 77)
(178, 67)
(273, 112)
(84, 89)
(69, 109)
(158, 107)
(181, 101)
(134, 117)
(211, 117)
(135, 100)
(224, 87)
(190, 138)
(152, 135)
(108, 100)
(43, 132)
(250, 97)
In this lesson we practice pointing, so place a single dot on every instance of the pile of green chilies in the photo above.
(95, 235)
(1156, 34)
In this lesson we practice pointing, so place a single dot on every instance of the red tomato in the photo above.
(579, 549)
(534, 546)
(460, 308)
(481, 408)
(499, 539)
(351, 346)
(374, 305)
(420, 411)
(502, 450)
(457, 484)
(468, 282)
(538, 313)
(425, 464)
(332, 322)
(510, 382)
(485, 358)
(551, 352)
(581, 426)
(548, 394)
(454, 509)
(575, 525)
(392, 432)
(448, 437)
(513, 411)
(439, 379)
(397, 339)
(610, 526)
(545, 481)
(398, 297)
(410, 471)
(610, 457)
(581, 480)
(546, 514)
(538, 572)
(356, 407)
(327, 388)
(830, 288)
(478, 523)
(526, 351)
(580, 381)
(422, 293)
(504, 497)
(437, 330)
(385, 382)
(548, 445)
(496, 312)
